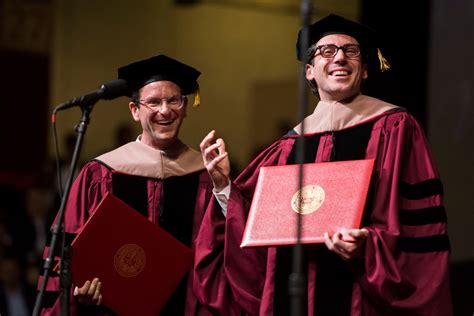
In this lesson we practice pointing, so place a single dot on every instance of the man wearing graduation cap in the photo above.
(397, 264)
(158, 175)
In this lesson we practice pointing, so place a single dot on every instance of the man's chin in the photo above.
(165, 139)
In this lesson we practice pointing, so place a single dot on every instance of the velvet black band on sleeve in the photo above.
(424, 216)
(424, 244)
(421, 190)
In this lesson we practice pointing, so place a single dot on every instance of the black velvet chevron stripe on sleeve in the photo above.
(424, 244)
(421, 190)
(424, 216)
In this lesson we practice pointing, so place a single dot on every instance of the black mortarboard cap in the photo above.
(334, 24)
(161, 67)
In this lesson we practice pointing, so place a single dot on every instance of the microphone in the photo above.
(107, 91)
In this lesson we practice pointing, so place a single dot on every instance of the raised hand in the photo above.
(216, 160)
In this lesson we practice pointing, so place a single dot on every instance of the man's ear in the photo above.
(309, 70)
(134, 110)
(365, 73)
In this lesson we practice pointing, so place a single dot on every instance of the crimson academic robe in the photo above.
(404, 270)
(166, 187)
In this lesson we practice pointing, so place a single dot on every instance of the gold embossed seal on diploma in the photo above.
(308, 199)
(129, 260)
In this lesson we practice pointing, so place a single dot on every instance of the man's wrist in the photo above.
(223, 197)
(218, 187)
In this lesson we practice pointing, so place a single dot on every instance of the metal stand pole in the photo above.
(58, 228)
(297, 280)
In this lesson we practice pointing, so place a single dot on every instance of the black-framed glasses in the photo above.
(330, 50)
(174, 102)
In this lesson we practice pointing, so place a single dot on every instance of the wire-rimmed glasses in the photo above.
(175, 102)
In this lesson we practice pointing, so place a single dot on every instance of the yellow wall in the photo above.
(244, 49)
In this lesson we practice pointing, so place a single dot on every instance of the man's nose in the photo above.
(165, 108)
(340, 55)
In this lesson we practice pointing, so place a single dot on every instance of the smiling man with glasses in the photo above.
(397, 262)
(160, 105)
(157, 175)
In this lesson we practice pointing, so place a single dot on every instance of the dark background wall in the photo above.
(404, 34)
(451, 131)
(430, 45)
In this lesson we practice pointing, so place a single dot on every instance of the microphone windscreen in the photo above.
(114, 89)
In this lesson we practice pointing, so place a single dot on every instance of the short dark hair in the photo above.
(308, 60)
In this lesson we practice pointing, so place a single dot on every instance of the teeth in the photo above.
(340, 73)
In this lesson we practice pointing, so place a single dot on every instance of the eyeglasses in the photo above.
(174, 102)
(330, 50)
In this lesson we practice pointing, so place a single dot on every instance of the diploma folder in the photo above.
(333, 196)
(139, 264)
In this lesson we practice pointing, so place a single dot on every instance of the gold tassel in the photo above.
(384, 65)
(197, 97)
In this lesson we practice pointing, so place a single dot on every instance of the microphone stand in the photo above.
(297, 280)
(58, 228)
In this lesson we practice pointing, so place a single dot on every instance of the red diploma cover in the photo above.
(139, 264)
(332, 196)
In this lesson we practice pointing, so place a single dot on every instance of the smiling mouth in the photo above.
(165, 122)
(340, 73)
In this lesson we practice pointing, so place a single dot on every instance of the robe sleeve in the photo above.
(85, 194)
(225, 274)
(405, 270)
